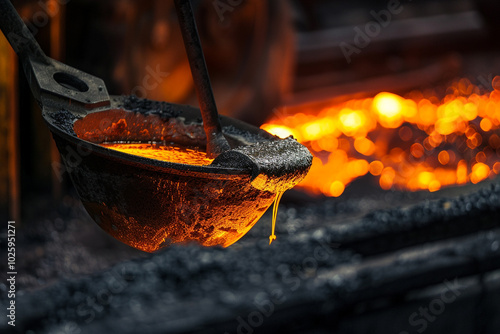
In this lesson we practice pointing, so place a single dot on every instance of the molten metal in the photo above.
(417, 142)
(164, 153)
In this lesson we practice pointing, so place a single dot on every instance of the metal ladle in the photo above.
(147, 203)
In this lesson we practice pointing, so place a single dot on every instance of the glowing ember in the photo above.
(410, 143)
(163, 153)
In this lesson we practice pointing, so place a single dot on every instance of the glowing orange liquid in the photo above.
(276, 204)
(164, 153)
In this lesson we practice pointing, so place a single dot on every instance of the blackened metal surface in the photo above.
(65, 120)
(310, 281)
(216, 143)
(164, 110)
(276, 166)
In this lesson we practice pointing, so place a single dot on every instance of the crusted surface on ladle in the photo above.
(164, 110)
(276, 165)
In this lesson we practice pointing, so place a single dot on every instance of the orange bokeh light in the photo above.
(417, 142)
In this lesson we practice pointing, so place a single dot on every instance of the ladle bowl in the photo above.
(147, 203)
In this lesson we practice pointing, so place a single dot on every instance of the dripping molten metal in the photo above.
(276, 203)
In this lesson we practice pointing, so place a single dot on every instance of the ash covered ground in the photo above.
(331, 256)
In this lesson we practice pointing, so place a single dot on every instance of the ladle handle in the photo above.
(50, 81)
(18, 34)
(216, 142)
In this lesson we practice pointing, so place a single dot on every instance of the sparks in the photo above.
(416, 142)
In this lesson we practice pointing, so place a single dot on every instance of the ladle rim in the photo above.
(144, 162)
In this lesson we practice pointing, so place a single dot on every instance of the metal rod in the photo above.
(18, 34)
(216, 143)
